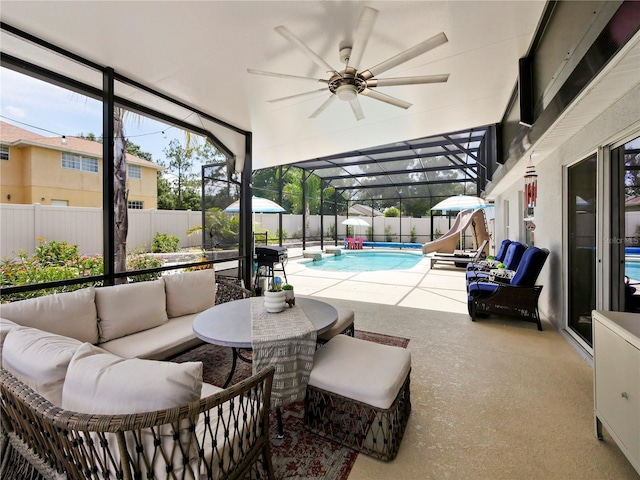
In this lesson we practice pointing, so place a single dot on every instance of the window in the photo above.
(77, 162)
(135, 204)
(135, 171)
(4, 152)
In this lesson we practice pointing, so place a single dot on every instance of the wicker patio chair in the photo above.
(222, 436)
(229, 289)
(517, 298)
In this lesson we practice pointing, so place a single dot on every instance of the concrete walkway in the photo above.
(440, 288)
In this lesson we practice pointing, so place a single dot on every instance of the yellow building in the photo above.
(65, 171)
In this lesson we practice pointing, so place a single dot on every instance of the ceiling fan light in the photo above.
(346, 93)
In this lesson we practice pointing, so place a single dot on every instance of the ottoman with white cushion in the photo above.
(344, 324)
(358, 395)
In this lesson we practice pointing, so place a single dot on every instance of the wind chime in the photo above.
(530, 186)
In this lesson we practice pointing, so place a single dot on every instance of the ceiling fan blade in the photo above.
(286, 33)
(357, 109)
(396, 102)
(361, 37)
(297, 95)
(392, 82)
(405, 56)
(322, 107)
(285, 75)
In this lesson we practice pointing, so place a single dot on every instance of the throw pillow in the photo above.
(72, 314)
(39, 359)
(99, 382)
(102, 383)
(190, 292)
(130, 308)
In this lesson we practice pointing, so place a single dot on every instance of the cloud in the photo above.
(14, 112)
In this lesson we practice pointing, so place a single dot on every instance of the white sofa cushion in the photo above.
(130, 308)
(190, 292)
(103, 383)
(5, 327)
(158, 343)
(99, 382)
(72, 314)
(39, 359)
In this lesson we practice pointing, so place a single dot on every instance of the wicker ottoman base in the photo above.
(371, 430)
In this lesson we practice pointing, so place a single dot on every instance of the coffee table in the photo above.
(229, 324)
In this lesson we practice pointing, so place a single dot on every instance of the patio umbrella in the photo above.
(258, 205)
(355, 222)
(461, 202)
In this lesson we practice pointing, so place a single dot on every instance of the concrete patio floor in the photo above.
(440, 288)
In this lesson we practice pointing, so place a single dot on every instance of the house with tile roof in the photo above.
(65, 171)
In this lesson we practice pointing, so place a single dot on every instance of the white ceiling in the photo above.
(199, 52)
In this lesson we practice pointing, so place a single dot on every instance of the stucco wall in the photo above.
(614, 124)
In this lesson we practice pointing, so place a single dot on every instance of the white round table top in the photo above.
(229, 324)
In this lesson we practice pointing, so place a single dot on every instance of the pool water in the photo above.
(632, 268)
(367, 262)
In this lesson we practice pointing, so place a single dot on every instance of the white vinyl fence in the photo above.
(23, 226)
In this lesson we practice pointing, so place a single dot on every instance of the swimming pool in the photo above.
(367, 261)
(632, 268)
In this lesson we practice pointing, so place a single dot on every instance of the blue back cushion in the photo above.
(502, 251)
(530, 265)
(513, 256)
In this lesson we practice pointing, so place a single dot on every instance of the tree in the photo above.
(121, 194)
(179, 164)
(392, 212)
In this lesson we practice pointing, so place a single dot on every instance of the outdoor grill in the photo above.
(270, 255)
(266, 259)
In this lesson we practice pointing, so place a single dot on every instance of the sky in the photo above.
(49, 110)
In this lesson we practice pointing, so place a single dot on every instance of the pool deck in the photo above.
(441, 288)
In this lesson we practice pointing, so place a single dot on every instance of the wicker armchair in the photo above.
(229, 289)
(222, 436)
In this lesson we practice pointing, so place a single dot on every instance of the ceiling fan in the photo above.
(350, 82)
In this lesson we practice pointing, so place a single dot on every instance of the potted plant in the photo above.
(501, 266)
(288, 294)
(274, 297)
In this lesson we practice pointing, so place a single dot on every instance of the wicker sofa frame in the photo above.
(44, 441)
(374, 431)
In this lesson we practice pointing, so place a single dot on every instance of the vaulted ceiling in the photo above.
(199, 53)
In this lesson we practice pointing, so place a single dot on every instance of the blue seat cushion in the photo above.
(514, 255)
(475, 275)
(481, 289)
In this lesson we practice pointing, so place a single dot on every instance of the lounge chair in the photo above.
(517, 298)
(460, 259)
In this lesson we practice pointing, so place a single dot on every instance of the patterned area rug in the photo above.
(300, 454)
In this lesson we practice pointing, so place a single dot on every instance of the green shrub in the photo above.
(413, 237)
(55, 261)
(392, 212)
(164, 243)
(387, 234)
(143, 261)
(55, 253)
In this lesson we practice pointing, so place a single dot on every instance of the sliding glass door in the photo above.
(581, 259)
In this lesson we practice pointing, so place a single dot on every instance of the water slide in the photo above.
(465, 219)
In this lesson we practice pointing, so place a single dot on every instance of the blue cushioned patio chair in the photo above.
(517, 298)
(511, 260)
(499, 257)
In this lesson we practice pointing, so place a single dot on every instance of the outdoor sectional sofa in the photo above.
(83, 394)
